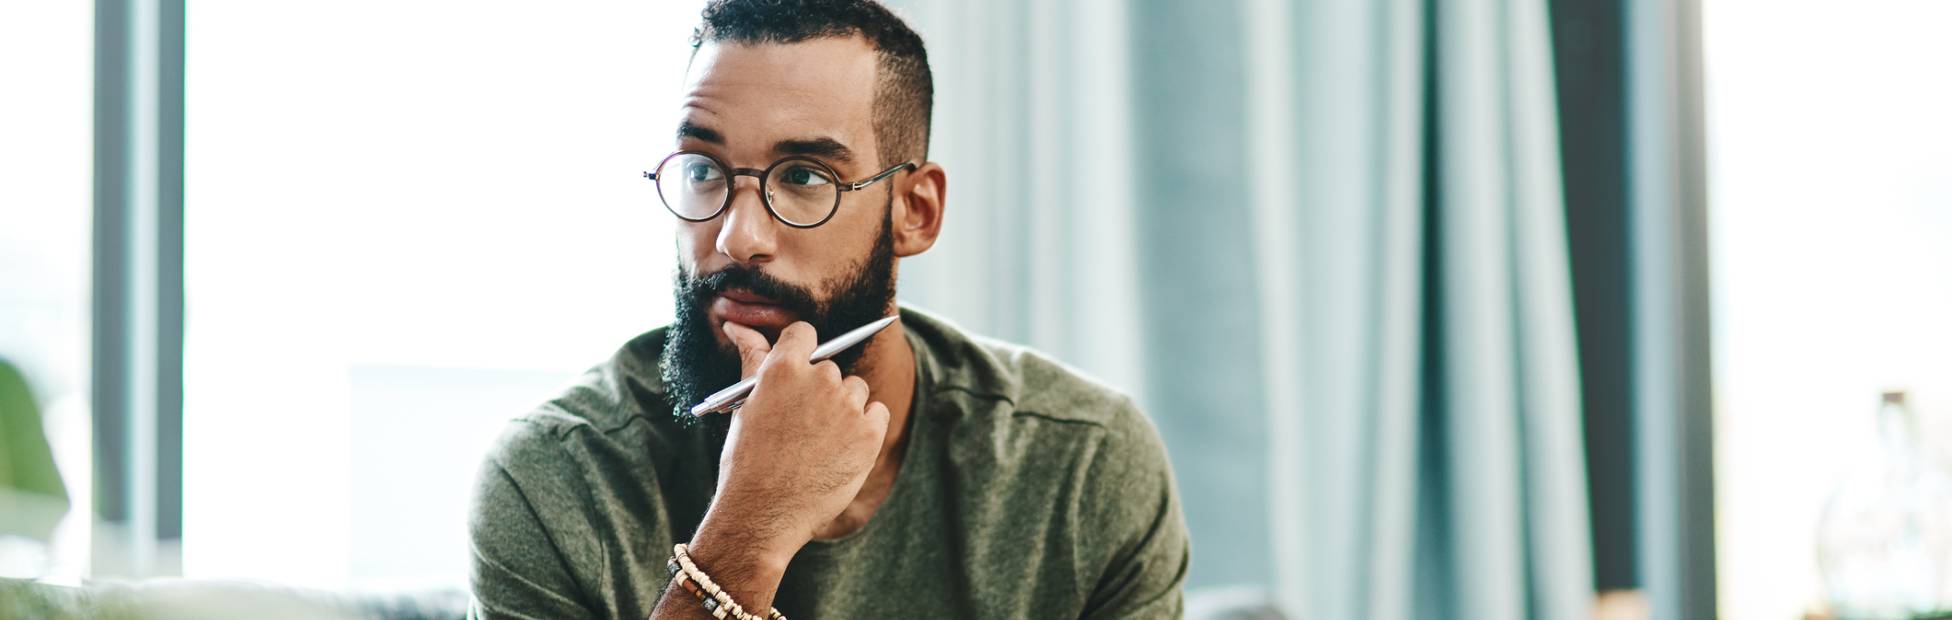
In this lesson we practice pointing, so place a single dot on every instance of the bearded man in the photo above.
(924, 472)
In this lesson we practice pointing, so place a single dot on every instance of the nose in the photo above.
(748, 234)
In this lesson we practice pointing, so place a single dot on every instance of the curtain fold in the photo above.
(1323, 244)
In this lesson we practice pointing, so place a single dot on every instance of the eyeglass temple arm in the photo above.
(907, 165)
(751, 172)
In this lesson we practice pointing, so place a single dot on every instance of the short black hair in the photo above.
(906, 90)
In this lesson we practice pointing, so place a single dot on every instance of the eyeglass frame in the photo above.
(765, 197)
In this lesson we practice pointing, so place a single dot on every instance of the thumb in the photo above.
(752, 347)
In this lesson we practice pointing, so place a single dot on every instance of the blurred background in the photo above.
(1444, 308)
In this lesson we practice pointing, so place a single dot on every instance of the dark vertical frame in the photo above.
(169, 273)
(110, 347)
(137, 285)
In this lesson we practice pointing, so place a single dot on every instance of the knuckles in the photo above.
(797, 330)
(828, 372)
(821, 385)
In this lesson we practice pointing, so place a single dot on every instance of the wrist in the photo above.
(735, 554)
(755, 519)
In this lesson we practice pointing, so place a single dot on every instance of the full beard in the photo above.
(694, 364)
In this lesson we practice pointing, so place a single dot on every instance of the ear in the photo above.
(917, 219)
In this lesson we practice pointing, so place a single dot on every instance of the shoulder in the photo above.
(1028, 395)
(1054, 436)
(605, 421)
(1027, 381)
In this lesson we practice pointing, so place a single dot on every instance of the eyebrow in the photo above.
(688, 130)
(820, 148)
(823, 147)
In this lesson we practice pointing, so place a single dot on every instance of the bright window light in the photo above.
(406, 223)
(46, 125)
(1830, 170)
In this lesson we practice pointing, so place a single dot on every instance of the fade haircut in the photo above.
(905, 91)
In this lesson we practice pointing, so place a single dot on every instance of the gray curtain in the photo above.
(1322, 243)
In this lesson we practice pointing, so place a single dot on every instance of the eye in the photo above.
(699, 172)
(804, 176)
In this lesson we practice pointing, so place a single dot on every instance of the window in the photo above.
(1830, 161)
(406, 223)
(46, 56)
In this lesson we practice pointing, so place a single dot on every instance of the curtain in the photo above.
(1323, 244)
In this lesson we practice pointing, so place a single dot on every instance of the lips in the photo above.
(748, 297)
(754, 311)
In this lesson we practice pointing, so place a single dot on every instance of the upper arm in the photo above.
(516, 570)
(1146, 550)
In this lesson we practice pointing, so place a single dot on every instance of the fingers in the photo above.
(855, 390)
(828, 372)
(796, 342)
(751, 344)
(877, 415)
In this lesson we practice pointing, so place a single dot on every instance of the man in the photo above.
(924, 472)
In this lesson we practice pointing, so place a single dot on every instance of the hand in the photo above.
(801, 446)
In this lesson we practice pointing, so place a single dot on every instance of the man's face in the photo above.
(750, 105)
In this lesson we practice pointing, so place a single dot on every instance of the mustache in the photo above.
(699, 290)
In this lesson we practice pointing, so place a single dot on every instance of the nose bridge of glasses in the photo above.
(747, 221)
(758, 182)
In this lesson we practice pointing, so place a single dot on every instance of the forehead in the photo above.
(755, 93)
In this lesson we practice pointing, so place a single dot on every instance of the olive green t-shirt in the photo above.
(1026, 491)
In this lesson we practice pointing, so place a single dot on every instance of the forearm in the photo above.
(795, 455)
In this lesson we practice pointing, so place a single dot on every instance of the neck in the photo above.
(888, 365)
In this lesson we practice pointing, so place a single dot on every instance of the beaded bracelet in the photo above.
(716, 600)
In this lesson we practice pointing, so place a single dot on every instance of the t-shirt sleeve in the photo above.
(1144, 533)
(517, 570)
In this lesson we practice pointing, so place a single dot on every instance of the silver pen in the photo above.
(732, 397)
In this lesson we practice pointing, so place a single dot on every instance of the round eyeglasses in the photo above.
(801, 191)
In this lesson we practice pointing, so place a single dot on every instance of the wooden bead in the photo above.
(716, 599)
